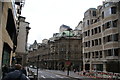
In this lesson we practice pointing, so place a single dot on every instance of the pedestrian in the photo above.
(74, 70)
(16, 74)
(24, 71)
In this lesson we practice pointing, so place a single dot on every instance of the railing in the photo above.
(101, 75)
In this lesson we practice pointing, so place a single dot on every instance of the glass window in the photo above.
(103, 27)
(88, 22)
(113, 10)
(99, 29)
(93, 55)
(97, 55)
(95, 29)
(109, 38)
(114, 23)
(89, 55)
(92, 32)
(115, 37)
(92, 42)
(108, 24)
(102, 15)
(116, 52)
(94, 13)
(100, 42)
(109, 52)
(96, 42)
(88, 43)
(100, 54)
(88, 32)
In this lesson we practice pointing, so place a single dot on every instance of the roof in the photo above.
(66, 33)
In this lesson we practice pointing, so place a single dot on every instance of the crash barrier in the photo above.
(101, 75)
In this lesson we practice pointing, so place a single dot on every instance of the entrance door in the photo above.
(87, 66)
(6, 54)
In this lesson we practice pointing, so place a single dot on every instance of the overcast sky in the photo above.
(46, 16)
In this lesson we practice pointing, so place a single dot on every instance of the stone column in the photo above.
(104, 67)
(90, 66)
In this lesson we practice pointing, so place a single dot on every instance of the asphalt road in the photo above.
(46, 75)
(58, 75)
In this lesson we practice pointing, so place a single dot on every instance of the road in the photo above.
(46, 75)
(58, 75)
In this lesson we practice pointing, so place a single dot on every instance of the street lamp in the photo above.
(68, 53)
(37, 65)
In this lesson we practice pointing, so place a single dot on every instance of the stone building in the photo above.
(9, 12)
(101, 36)
(63, 47)
(37, 54)
(22, 37)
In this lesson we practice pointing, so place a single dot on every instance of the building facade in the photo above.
(56, 52)
(101, 36)
(22, 37)
(8, 31)
(65, 51)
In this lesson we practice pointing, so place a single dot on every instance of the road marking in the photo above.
(52, 77)
(59, 76)
(40, 71)
(42, 76)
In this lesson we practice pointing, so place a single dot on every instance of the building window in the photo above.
(95, 29)
(104, 40)
(88, 32)
(100, 54)
(99, 29)
(116, 52)
(96, 42)
(92, 21)
(88, 43)
(89, 55)
(96, 53)
(115, 37)
(94, 13)
(113, 10)
(109, 52)
(93, 55)
(92, 42)
(85, 33)
(92, 32)
(103, 27)
(115, 23)
(108, 24)
(85, 55)
(87, 22)
(100, 41)
(109, 38)
(102, 15)
(85, 44)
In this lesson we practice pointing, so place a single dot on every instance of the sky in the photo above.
(46, 16)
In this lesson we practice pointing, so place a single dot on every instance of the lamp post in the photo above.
(37, 65)
(68, 62)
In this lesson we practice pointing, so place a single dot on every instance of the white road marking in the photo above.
(40, 72)
(52, 77)
(42, 76)
(59, 76)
